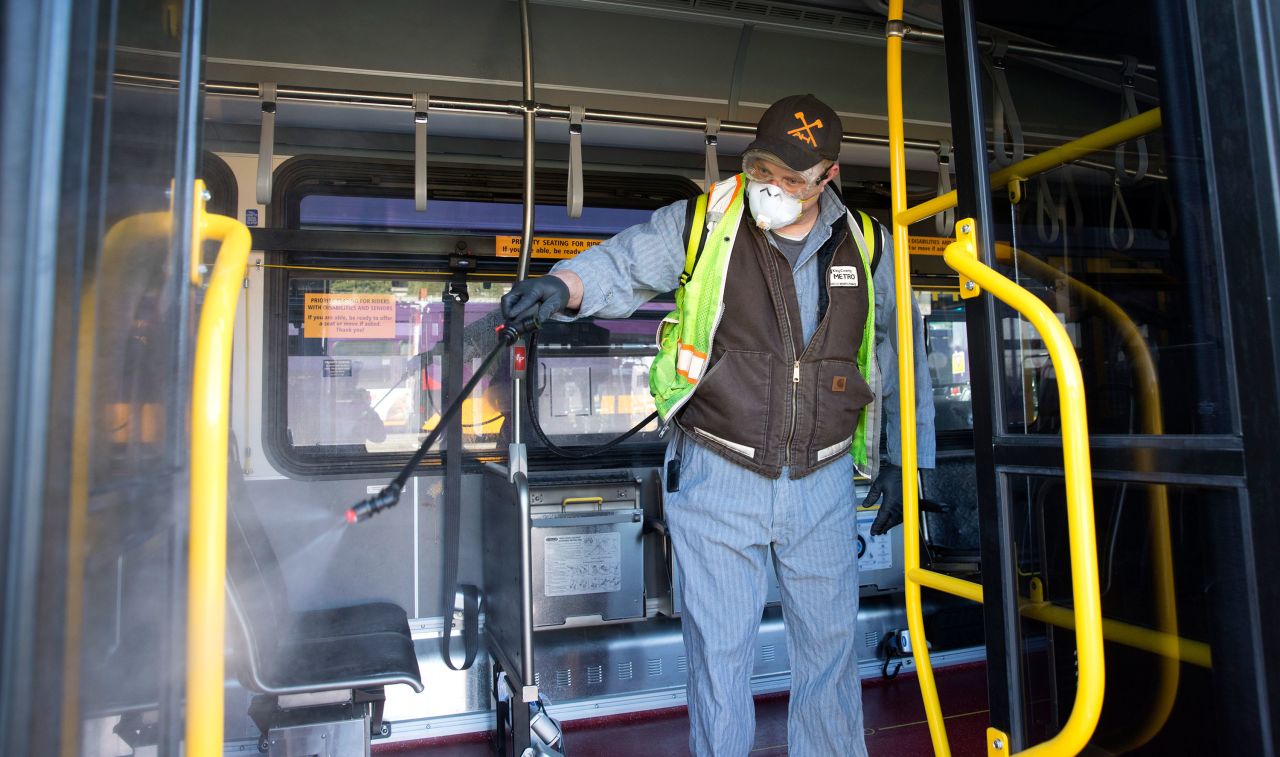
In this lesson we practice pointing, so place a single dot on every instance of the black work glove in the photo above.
(889, 486)
(532, 301)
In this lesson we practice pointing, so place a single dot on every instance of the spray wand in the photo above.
(390, 494)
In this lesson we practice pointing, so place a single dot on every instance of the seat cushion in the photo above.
(364, 660)
(340, 622)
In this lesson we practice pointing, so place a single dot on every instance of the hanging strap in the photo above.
(1004, 116)
(1047, 211)
(266, 140)
(1070, 202)
(459, 603)
(945, 221)
(695, 237)
(421, 106)
(1117, 201)
(712, 174)
(1129, 109)
(574, 192)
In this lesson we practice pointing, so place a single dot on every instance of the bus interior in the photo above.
(253, 251)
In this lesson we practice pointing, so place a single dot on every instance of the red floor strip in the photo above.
(892, 710)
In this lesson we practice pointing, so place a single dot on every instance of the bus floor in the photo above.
(892, 711)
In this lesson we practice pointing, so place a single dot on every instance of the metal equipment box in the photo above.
(586, 546)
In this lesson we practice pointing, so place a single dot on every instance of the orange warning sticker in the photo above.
(544, 247)
(349, 316)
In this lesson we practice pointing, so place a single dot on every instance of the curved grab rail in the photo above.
(210, 415)
(1166, 641)
(962, 255)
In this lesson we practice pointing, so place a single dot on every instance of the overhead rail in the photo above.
(489, 107)
(320, 95)
(210, 417)
(1071, 152)
(911, 34)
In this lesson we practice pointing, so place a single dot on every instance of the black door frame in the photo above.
(1232, 50)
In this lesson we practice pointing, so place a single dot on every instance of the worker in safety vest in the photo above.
(765, 372)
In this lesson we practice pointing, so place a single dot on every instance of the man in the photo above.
(763, 372)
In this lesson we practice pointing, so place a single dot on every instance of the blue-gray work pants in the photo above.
(724, 522)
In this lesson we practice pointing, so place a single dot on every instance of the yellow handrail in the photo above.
(1165, 642)
(962, 255)
(1110, 136)
(211, 388)
(124, 236)
(907, 389)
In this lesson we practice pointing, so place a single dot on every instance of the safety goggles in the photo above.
(796, 184)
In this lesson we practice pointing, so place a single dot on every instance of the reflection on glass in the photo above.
(592, 378)
(1152, 576)
(947, 347)
(1146, 390)
(1109, 286)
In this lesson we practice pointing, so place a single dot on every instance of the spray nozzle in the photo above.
(507, 334)
(390, 495)
(371, 506)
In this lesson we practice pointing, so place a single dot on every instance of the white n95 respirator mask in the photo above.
(771, 207)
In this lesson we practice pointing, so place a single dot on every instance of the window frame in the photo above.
(304, 176)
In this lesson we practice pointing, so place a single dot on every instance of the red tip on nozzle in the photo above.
(351, 515)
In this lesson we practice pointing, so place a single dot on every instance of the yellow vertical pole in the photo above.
(906, 384)
(210, 415)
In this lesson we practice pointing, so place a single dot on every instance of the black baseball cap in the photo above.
(799, 130)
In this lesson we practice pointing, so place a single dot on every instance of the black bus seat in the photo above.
(282, 654)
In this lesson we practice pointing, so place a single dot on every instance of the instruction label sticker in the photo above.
(582, 564)
(349, 316)
(928, 245)
(544, 247)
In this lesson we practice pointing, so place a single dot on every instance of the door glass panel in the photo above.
(1165, 571)
(1119, 246)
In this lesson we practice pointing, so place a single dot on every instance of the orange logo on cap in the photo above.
(804, 132)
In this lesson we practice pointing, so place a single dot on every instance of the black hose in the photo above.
(531, 403)
(390, 494)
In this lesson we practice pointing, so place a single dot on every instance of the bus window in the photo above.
(366, 369)
(464, 216)
(947, 347)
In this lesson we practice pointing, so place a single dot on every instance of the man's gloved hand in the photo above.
(532, 301)
(889, 486)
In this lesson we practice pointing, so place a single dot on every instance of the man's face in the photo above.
(800, 185)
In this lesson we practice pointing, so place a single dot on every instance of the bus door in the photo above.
(1120, 462)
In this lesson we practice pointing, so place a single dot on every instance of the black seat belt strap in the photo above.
(459, 603)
